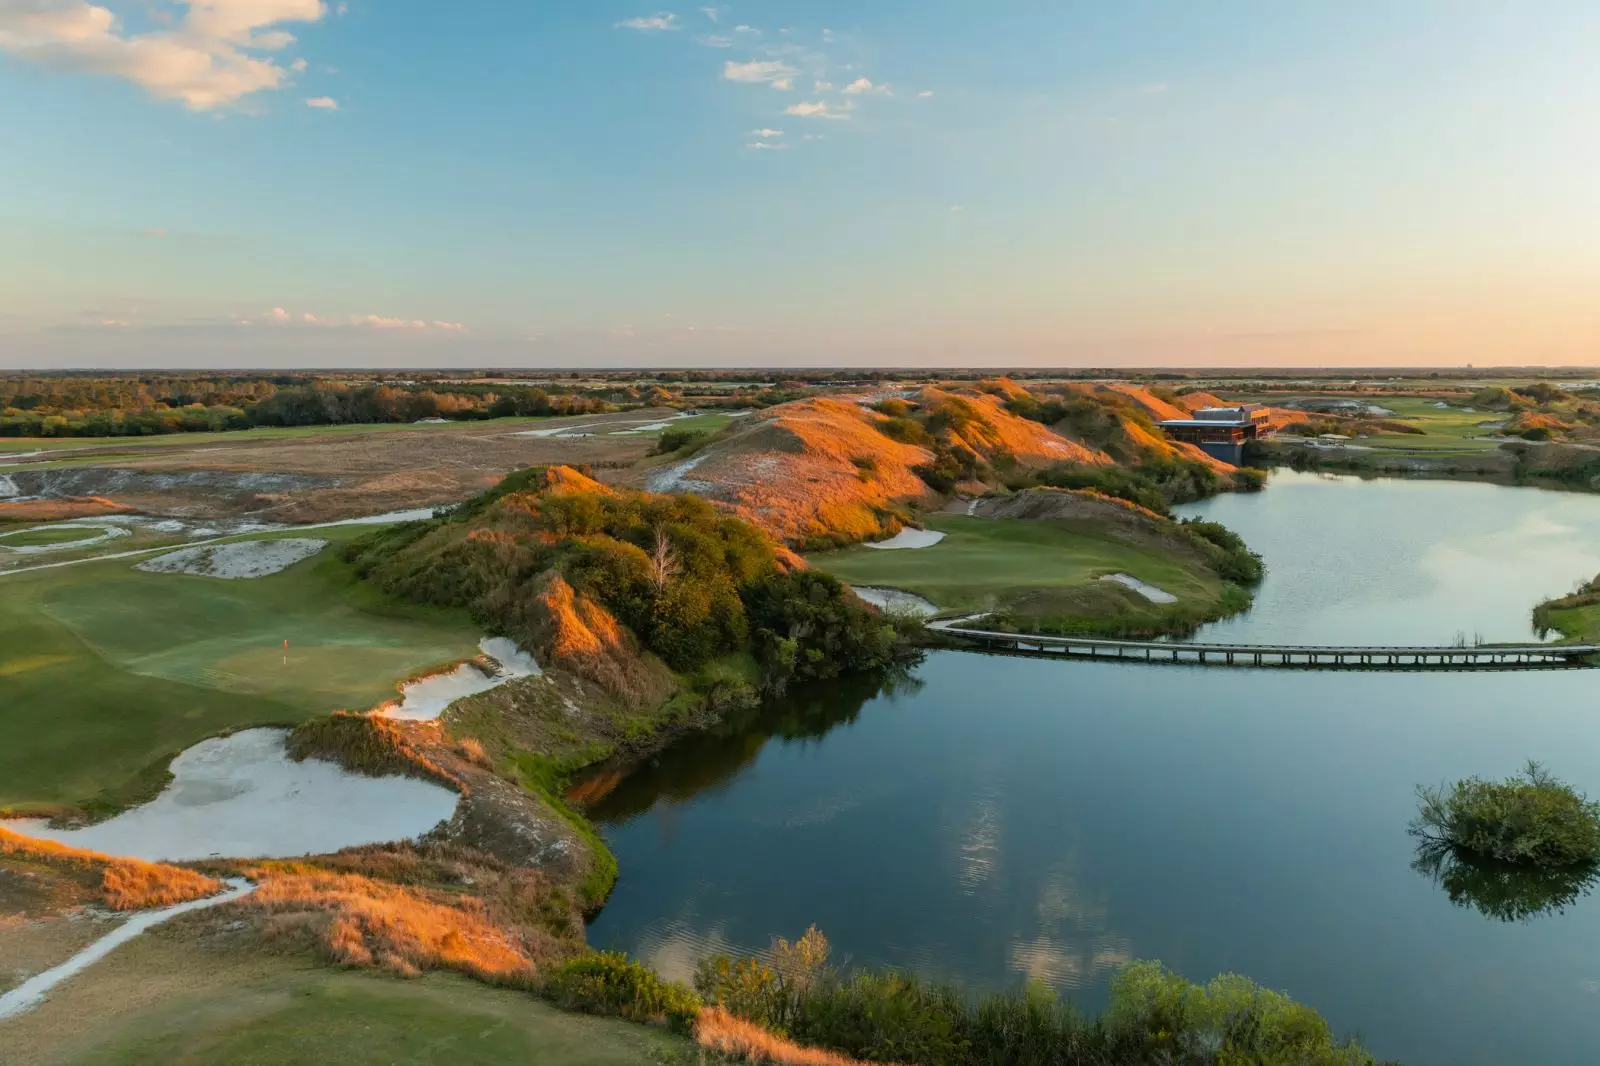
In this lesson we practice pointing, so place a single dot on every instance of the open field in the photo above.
(165, 999)
(108, 672)
(1038, 568)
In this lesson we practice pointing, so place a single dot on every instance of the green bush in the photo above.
(1232, 559)
(680, 440)
(1528, 819)
(610, 983)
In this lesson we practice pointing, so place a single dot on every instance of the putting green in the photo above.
(983, 563)
(47, 536)
(106, 671)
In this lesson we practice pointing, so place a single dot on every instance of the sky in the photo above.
(565, 183)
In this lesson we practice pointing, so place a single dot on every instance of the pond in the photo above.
(992, 819)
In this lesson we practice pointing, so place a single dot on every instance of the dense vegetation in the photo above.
(690, 582)
(1530, 819)
(1155, 1016)
(135, 405)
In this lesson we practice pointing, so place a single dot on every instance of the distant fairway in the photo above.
(984, 563)
(47, 536)
(106, 671)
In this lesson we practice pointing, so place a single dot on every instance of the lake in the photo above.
(992, 819)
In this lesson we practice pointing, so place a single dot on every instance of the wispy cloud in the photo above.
(216, 56)
(715, 40)
(766, 133)
(821, 86)
(864, 86)
(770, 146)
(818, 109)
(741, 28)
(323, 103)
(926, 94)
(783, 84)
(661, 20)
(299, 66)
(712, 13)
(758, 70)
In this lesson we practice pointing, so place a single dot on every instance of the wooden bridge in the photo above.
(1293, 656)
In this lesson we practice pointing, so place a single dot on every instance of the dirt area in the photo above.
(320, 477)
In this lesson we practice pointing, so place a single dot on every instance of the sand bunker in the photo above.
(427, 698)
(675, 477)
(1149, 592)
(247, 559)
(32, 992)
(8, 488)
(910, 538)
(896, 601)
(243, 797)
(105, 533)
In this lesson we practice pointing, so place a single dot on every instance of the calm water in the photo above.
(1000, 818)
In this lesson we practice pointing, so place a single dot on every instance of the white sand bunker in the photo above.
(427, 698)
(32, 992)
(98, 533)
(1149, 592)
(896, 601)
(910, 538)
(251, 558)
(243, 797)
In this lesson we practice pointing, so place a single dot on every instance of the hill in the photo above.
(626, 588)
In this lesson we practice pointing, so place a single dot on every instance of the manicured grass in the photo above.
(35, 538)
(984, 563)
(106, 671)
(286, 1015)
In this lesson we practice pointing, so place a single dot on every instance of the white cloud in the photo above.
(715, 40)
(812, 136)
(758, 70)
(213, 58)
(712, 13)
(299, 66)
(766, 133)
(449, 327)
(280, 315)
(309, 319)
(747, 29)
(925, 94)
(323, 103)
(783, 85)
(771, 146)
(827, 35)
(821, 86)
(864, 85)
(817, 109)
(661, 20)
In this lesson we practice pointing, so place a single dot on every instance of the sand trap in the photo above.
(247, 559)
(243, 797)
(32, 992)
(674, 477)
(651, 428)
(418, 514)
(8, 488)
(427, 698)
(910, 538)
(1149, 592)
(896, 601)
(105, 533)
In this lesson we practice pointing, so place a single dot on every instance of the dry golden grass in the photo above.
(360, 921)
(59, 510)
(717, 1030)
(1152, 404)
(573, 632)
(125, 884)
(992, 431)
(376, 746)
(471, 749)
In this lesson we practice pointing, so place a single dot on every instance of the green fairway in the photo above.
(985, 564)
(105, 671)
(362, 1020)
(45, 536)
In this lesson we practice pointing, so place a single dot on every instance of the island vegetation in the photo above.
(1529, 819)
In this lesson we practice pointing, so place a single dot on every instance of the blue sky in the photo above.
(298, 183)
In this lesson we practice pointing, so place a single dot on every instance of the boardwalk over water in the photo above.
(1293, 656)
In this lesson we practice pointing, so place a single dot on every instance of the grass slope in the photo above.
(105, 671)
(986, 563)
(158, 1001)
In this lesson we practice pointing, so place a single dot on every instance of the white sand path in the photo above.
(427, 698)
(32, 992)
(1149, 592)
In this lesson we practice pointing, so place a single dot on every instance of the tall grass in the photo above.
(124, 884)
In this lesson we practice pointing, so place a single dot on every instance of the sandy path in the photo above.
(32, 992)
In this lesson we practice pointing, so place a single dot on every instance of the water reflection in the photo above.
(1500, 890)
(704, 762)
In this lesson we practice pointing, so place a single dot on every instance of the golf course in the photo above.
(111, 671)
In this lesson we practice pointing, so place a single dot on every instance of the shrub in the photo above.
(1530, 819)
(608, 982)
(680, 440)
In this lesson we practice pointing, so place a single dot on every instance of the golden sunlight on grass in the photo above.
(717, 1030)
(125, 884)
